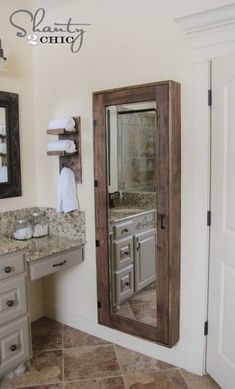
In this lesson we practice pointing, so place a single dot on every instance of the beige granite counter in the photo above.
(39, 248)
(121, 214)
(8, 246)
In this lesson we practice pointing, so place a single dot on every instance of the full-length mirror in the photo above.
(131, 150)
(137, 200)
(10, 176)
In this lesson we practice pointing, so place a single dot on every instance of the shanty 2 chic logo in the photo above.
(63, 33)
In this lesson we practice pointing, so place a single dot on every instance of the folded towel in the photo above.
(62, 145)
(3, 148)
(67, 123)
(3, 174)
(66, 194)
(2, 129)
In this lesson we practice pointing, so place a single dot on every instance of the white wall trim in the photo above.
(212, 32)
(217, 20)
(182, 355)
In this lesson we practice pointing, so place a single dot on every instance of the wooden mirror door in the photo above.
(137, 204)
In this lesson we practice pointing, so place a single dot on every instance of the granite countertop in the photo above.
(118, 214)
(38, 248)
(10, 246)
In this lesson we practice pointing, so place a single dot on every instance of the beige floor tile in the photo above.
(133, 362)
(75, 338)
(46, 334)
(90, 362)
(103, 383)
(46, 368)
(158, 380)
(197, 382)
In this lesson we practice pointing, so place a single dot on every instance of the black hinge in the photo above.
(99, 304)
(209, 218)
(96, 183)
(97, 243)
(210, 97)
(94, 123)
(206, 328)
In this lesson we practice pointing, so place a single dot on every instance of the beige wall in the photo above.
(18, 78)
(129, 42)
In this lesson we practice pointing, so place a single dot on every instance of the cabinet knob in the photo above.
(7, 269)
(126, 253)
(10, 303)
(124, 230)
(13, 347)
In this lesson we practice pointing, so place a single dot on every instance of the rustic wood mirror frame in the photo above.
(168, 198)
(12, 187)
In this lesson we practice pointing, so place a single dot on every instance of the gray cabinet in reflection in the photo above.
(145, 263)
(133, 264)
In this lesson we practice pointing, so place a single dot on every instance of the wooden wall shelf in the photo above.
(70, 160)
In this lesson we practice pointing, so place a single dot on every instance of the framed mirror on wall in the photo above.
(137, 200)
(10, 172)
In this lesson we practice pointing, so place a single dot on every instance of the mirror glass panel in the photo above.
(3, 146)
(131, 153)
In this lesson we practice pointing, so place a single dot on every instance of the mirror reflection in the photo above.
(3, 146)
(131, 150)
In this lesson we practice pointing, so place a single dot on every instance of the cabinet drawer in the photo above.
(11, 265)
(54, 263)
(123, 253)
(124, 284)
(13, 298)
(14, 344)
(121, 230)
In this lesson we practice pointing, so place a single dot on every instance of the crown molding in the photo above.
(212, 32)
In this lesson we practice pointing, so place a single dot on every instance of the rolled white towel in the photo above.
(62, 145)
(2, 129)
(3, 148)
(67, 123)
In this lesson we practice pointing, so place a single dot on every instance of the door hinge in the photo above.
(94, 123)
(99, 304)
(95, 183)
(206, 328)
(97, 243)
(210, 97)
(209, 218)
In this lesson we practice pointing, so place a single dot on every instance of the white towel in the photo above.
(66, 194)
(62, 145)
(2, 129)
(3, 174)
(3, 148)
(67, 123)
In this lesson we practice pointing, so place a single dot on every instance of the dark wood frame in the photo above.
(12, 188)
(168, 183)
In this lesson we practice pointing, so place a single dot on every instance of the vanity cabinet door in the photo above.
(124, 284)
(14, 344)
(123, 253)
(145, 259)
(13, 299)
(11, 265)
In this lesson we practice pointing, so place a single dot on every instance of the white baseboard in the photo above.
(36, 311)
(182, 355)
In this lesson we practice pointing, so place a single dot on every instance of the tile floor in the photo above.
(65, 358)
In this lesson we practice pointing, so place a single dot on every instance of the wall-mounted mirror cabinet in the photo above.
(137, 201)
(10, 176)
